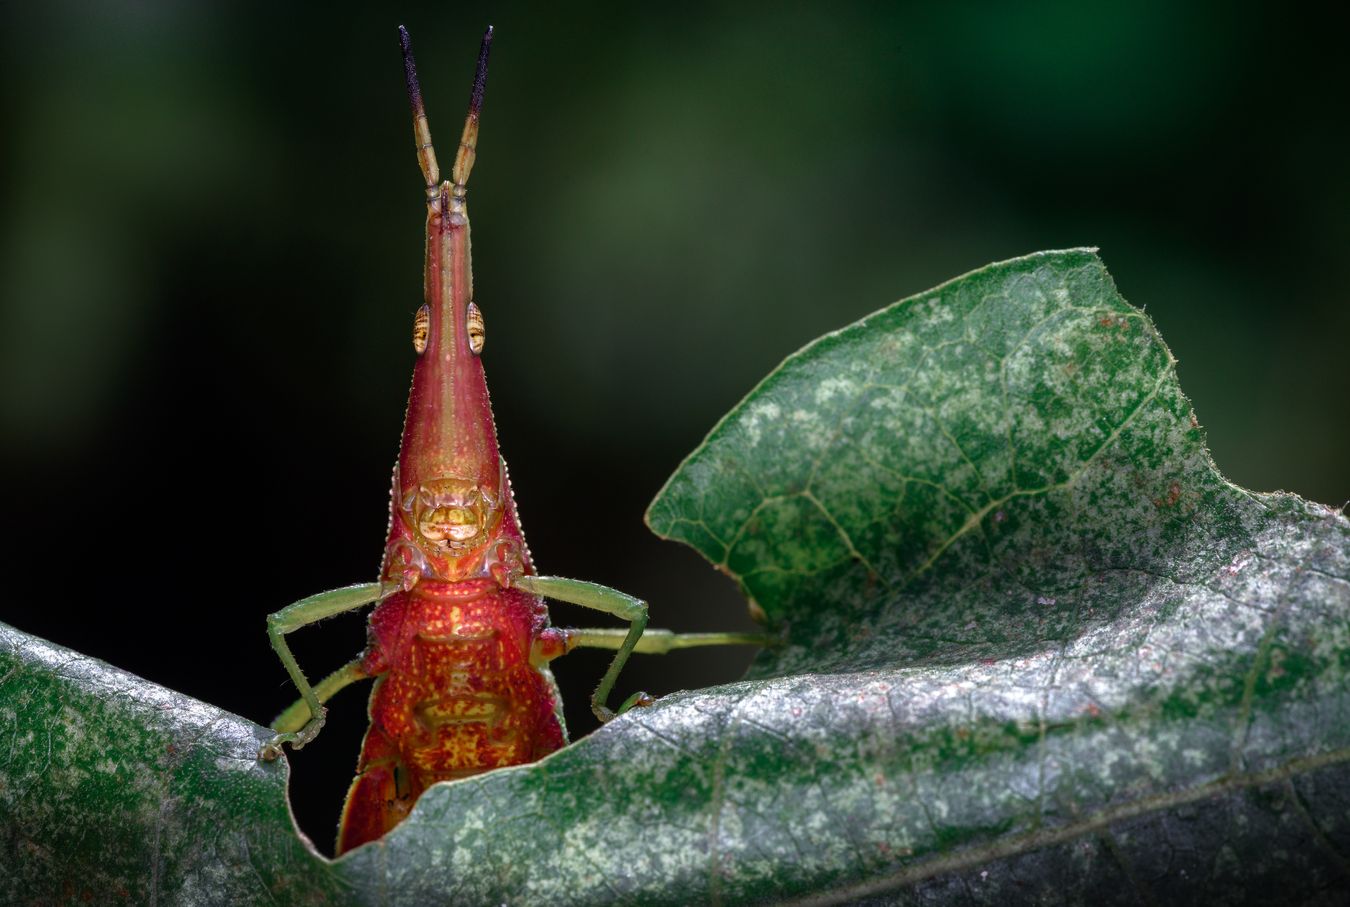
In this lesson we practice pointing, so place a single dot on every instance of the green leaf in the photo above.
(1038, 649)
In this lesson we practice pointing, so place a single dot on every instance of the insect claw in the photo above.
(270, 750)
(310, 730)
(637, 700)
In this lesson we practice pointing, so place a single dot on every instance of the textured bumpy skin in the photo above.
(458, 691)
(458, 695)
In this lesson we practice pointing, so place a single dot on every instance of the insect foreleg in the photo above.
(295, 716)
(301, 614)
(611, 601)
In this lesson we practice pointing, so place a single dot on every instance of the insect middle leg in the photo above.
(297, 713)
(611, 601)
(301, 614)
(659, 642)
(625, 642)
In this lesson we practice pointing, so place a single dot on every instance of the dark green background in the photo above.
(210, 241)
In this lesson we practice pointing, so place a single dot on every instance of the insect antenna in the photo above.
(468, 142)
(426, 154)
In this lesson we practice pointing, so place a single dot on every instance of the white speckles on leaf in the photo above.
(756, 417)
(1037, 649)
(830, 388)
(1094, 572)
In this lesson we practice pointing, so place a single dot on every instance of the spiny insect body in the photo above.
(459, 641)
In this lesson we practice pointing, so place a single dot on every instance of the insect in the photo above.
(459, 640)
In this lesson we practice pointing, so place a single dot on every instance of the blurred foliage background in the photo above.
(210, 252)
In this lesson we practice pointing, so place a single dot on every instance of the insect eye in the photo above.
(421, 328)
(475, 329)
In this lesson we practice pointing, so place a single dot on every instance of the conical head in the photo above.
(450, 490)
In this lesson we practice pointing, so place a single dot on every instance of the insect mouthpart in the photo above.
(449, 524)
(453, 513)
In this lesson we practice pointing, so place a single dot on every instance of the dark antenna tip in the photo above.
(410, 71)
(480, 77)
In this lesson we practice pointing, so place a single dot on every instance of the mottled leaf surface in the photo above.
(116, 791)
(1058, 637)
(1037, 649)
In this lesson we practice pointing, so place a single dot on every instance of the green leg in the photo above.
(301, 614)
(294, 718)
(611, 601)
(659, 642)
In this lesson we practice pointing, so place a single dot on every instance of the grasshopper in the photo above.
(459, 641)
